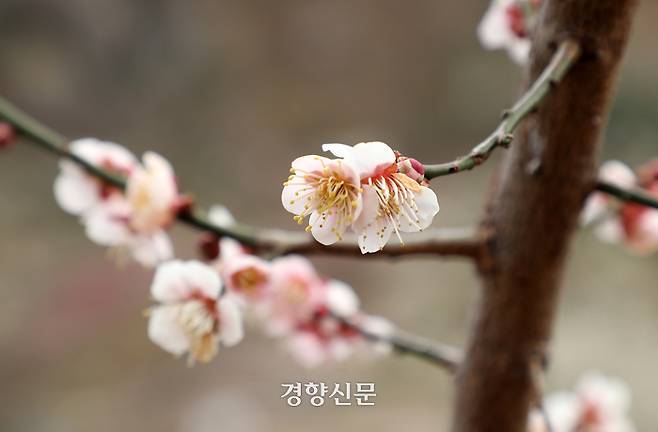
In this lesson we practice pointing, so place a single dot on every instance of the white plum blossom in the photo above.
(78, 192)
(508, 24)
(632, 225)
(137, 221)
(134, 220)
(193, 316)
(599, 404)
(393, 202)
(327, 191)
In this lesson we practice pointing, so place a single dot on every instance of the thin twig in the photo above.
(437, 242)
(566, 55)
(626, 194)
(444, 356)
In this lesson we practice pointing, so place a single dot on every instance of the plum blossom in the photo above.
(193, 315)
(327, 191)
(134, 220)
(245, 275)
(137, 220)
(296, 291)
(509, 24)
(393, 202)
(598, 404)
(630, 224)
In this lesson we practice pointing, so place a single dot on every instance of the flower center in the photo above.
(249, 280)
(200, 322)
(396, 194)
(328, 194)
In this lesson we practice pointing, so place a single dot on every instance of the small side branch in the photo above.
(452, 242)
(438, 354)
(626, 194)
(566, 55)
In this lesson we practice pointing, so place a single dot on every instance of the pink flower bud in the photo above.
(7, 135)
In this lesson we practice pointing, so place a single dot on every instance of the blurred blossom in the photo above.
(135, 220)
(509, 24)
(193, 316)
(297, 289)
(598, 404)
(632, 225)
(221, 216)
(245, 275)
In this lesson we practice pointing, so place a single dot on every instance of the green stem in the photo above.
(567, 54)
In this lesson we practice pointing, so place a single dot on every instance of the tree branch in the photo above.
(438, 354)
(451, 242)
(534, 212)
(626, 194)
(563, 59)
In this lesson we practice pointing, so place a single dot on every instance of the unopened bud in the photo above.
(7, 135)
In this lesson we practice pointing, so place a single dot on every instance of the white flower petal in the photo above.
(339, 150)
(229, 248)
(106, 225)
(151, 249)
(230, 326)
(375, 235)
(164, 330)
(310, 163)
(202, 278)
(297, 196)
(519, 50)
(326, 227)
(612, 395)
(221, 216)
(494, 31)
(610, 231)
(341, 299)
(563, 410)
(428, 207)
(169, 283)
(370, 158)
(307, 350)
(75, 191)
(596, 206)
(617, 173)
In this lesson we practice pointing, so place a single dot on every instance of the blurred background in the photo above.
(231, 91)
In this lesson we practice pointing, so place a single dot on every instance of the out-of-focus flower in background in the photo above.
(134, 220)
(508, 24)
(632, 225)
(598, 404)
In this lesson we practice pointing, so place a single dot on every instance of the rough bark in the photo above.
(534, 213)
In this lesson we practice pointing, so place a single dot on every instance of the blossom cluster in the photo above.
(134, 220)
(202, 306)
(621, 222)
(598, 404)
(509, 24)
(368, 189)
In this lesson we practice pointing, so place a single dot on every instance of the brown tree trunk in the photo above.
(534, 212)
